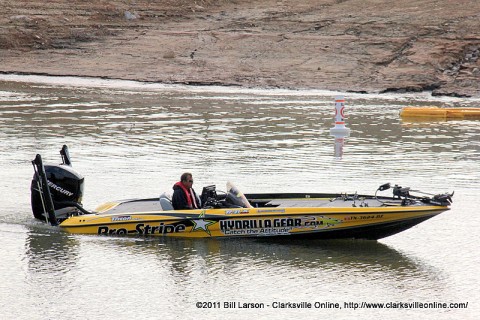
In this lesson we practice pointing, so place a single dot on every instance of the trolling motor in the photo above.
(400, 192)
(403, 194)
(56, 190)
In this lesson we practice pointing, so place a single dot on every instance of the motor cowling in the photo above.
(66, 189)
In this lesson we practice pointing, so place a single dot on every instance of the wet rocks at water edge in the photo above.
(357, 46)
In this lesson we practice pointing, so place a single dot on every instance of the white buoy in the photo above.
(340, 129)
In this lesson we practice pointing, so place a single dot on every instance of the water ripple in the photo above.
(134, 140)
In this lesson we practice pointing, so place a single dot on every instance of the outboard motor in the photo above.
(56, 190)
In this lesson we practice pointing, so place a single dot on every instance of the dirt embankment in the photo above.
(349, 45)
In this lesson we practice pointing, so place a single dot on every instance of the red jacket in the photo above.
(183, 198)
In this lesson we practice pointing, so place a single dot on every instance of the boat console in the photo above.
(233, 198)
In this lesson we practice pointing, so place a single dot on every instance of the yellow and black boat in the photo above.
(57, 192)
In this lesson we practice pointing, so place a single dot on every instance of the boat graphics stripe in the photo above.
(347, 219)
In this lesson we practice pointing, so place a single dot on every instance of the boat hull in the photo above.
(231, 214)
(321, 223)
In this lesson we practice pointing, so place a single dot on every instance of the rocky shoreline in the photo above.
(350, 45)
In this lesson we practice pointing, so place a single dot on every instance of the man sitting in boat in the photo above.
(184, 197)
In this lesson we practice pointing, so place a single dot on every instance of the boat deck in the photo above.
(328, 203)
(154, 205)
(140, 205)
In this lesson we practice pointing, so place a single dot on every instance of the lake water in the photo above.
(134, 140)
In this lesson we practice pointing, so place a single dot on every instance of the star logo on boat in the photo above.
(202, 224)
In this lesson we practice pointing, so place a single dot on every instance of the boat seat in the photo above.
(165, 202)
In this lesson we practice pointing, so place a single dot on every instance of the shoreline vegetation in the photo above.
(352, 45)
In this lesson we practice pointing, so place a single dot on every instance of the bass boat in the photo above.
(57, 191)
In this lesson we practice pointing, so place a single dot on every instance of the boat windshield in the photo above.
(235, 196)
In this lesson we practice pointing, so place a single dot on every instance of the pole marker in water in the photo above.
(340, 128)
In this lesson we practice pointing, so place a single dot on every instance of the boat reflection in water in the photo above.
(50, 250)
(183, 257)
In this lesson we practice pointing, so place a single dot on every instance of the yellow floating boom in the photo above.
(436, 112)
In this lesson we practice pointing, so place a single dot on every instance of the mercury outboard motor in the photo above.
(56, 190)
